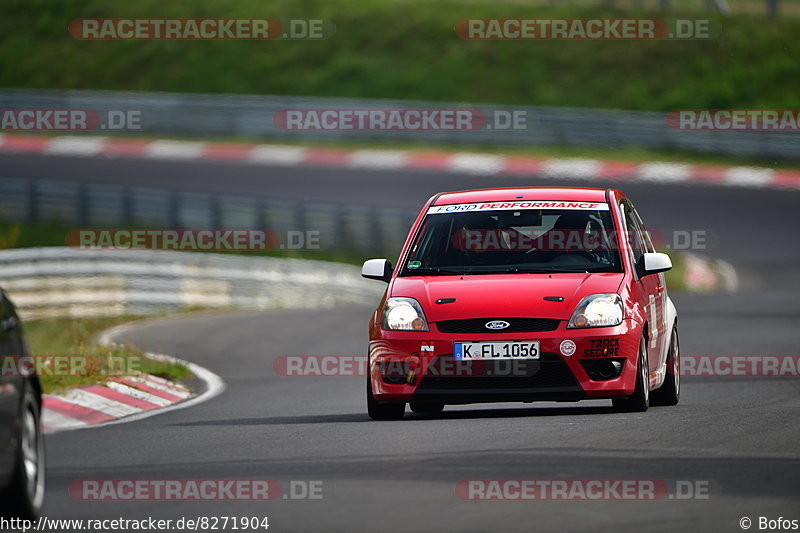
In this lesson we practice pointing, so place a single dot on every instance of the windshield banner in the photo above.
(509, 206)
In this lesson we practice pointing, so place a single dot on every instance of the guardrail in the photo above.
(58, 282)
(225, 115)
(344, 228)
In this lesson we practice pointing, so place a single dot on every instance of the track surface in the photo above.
(739, 434)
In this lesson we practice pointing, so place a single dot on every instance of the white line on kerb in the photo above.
(86, 146)
(165, 149)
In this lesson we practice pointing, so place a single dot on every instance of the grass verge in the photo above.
(89, 363)
(675, 278)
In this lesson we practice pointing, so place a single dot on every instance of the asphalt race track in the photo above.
(738, 435)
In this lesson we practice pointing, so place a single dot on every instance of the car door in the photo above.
(661, 341)
(650, 288)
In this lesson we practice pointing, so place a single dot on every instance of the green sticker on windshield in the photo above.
(414, 264)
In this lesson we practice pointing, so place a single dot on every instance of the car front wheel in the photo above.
(639, 401)
(383, 410)
(670, 392)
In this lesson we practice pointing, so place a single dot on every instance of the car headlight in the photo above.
(597, 310)
(404, 314)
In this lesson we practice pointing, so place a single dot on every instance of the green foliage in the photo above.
(408, 49)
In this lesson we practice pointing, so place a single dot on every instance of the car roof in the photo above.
(568, 194)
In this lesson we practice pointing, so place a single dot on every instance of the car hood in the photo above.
(506, 295)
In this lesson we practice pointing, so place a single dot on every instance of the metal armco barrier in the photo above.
(253, 117)
(61, 282)
(354, 229)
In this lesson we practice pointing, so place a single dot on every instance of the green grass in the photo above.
(90, 363)
(676, 277)
(407, 49)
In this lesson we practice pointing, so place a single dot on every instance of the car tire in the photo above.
(383, 410)
(426, 408)
(639, 401)
(24, 496)
(669, 393)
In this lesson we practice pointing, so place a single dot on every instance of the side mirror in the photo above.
(380, 269)
(653, 263)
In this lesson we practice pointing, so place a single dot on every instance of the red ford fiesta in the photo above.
(505, 295)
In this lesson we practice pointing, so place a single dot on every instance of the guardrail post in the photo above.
(261, 215)
(300, 216)
(33, 200)
(374, 221)
(216, 212)
(342, 239)
(82, 205)
(126, 201)
(175, 210)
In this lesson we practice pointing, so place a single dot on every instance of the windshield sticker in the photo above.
(507, 206)
(414, 264)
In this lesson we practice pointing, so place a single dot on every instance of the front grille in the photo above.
(516, 325)
(549, 372)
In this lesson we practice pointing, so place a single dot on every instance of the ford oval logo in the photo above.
(497, 324)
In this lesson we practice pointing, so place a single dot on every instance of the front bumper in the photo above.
(410, 365)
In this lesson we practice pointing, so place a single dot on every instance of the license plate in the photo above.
(496, 350)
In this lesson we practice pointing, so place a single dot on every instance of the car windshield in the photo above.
(514, 241)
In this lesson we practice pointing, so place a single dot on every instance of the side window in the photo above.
(636, 238)
(648, 242)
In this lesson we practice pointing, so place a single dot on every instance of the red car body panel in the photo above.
(521, 295)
